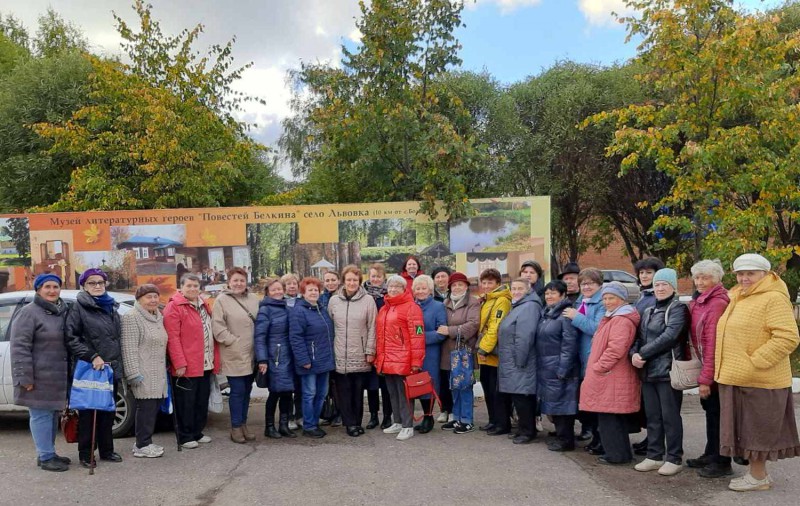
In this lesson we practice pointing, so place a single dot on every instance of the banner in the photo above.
(158, 246)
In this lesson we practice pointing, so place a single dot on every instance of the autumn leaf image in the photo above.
(208, 237)
(92, 234)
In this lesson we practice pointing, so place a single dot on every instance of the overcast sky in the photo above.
(511, 39)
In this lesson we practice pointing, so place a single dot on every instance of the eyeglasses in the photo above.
(588, 285)
(95, 283)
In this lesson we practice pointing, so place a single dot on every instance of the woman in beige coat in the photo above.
(144, 360)
(233, 325)
(353, 313)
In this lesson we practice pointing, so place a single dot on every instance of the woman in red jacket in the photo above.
(400, 350)
(193, 356)
(709, 303)
(611, 387)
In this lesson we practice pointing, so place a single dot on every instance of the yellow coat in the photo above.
(755, 336)
(495, 307)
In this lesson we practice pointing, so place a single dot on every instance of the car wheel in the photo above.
(124, 414)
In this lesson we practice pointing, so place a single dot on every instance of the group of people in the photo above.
(571, 349)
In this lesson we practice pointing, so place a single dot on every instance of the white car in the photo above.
(12, 302)
(627, 279)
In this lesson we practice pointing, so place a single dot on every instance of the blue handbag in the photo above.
(92, 389)
(460, 366)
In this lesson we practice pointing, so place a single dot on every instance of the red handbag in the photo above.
(418, 385)
(69, 425)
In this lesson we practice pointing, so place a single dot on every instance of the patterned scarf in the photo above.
(376, 291)
(208, 340)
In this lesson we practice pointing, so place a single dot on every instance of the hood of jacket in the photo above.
(360, 293)
(269, 301)
(403, 298)
(424, 303)
(553, 312)
(529, 298)
(501, 292)
(770, 283)
(716, 292)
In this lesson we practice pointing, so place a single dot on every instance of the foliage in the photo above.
(725, 128)
(56, 36)
(17, 229)
(39, 89)
(271, 247)
(372, 130)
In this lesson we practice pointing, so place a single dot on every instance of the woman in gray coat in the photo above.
(144, 358)
(39, 367)
(516, 340)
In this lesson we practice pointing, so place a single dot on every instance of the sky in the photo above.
(510, 39)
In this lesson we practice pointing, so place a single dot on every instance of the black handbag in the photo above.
(262, 381)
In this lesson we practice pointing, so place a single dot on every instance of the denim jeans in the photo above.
(239, 399)
(44, 426)
(462, 405)
(315, 388)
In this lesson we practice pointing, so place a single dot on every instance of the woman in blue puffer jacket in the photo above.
(311, 338)
(274, 357)
(433, 316)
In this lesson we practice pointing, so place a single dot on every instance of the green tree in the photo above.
(371, 130)
(726, 127)
(17, 229)
(55, 36)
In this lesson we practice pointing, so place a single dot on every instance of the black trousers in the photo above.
(711, 407)
(191, 405)
(445, 394)
(104, 440)
(662, 403)
(350, 396)
(298, 399)
(489, 384)
(526, 414)
(614, 436)
(146, 414)
(376, 397)
(275, 400)
(565, 429)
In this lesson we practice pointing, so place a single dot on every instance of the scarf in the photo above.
(106, 302)
(376, 291)
(457, 300)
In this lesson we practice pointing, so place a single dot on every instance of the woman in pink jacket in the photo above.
(709, 303)
(611, 387)
(193, 357)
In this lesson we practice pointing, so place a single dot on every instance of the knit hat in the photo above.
(441, 268)
(751, 262)
(145, 289)
(44, 278)
(615, 288)
(534, 264)
(456, 277)
(668, 275)
(569, 268)
(92, 272)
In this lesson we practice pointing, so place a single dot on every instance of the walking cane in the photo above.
(94, 428)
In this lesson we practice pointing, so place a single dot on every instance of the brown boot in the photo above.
(247, 434)
(237, 435)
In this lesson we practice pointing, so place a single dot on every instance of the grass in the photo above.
(14, 260)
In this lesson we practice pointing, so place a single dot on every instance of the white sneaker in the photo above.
(293, 425)
(149, 451)
(204, 439)
(155, 445)
(190, 445)
(670, 469)
(442, 418)
(749, 484)
(649, 465)
(394, 428)
(406, 433)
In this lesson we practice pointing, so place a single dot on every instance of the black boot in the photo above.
(425, 426)
(283, 427)
(387, 422)
(373, 421)
(270, 432)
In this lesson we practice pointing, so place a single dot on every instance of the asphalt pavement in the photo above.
(437, 468)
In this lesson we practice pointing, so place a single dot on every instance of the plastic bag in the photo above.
(92, 389)
(215, 399)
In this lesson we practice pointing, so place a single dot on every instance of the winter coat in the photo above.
(611, 384)
(434, 316)
(39, 356)
(234, 329)
(706, 310)
(587, 325)
(558, 368)
(647, 298)
(659, 341)
(400, 336)
(272, 344)
(353, 330)
(755, 336)
(464, 320)
(144, 352)
(92, 332)
(494, 308)
(324, 299)
(311, 338)
(441, 297)
(185, 338)
(516, 346)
